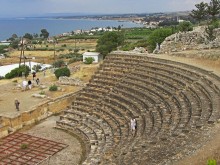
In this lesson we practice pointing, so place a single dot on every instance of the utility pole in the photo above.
(54, 44)
(22, 51)
(54, 52)
(75, 44)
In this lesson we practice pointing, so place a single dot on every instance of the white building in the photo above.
(5, 43)
(96, 55)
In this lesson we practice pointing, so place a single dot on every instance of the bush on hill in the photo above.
(2, 49)
(131, 45)
(62, 72)
(17, 72)
(109, 41)
(185, 26)
(158, 36)
(89, 60)
(53, 88)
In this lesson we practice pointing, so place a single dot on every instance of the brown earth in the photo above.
(10, 90)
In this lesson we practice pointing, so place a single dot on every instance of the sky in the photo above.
(20, 8)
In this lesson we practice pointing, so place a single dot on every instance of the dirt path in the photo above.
(9, 91)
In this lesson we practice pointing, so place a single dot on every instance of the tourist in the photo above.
(44, 73)
(29, 84)
(133, 125)
(17, 104)
(37, 81)
(34, 75)
(24, 85)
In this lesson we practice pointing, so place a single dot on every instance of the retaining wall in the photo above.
(34, 115)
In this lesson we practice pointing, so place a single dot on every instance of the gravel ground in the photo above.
(68, 156)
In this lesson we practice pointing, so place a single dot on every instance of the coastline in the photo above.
(20, 26)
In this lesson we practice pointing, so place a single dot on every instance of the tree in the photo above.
(13, 37)
(157, 37)
(213, 9)
(185, 26)
(201, 12)
(210, 33)
(62, 72)
(44, 33)
(35, 35)
(17, 72)
(28, 36)
(89, 60)
(109, 41)
(14, 44)
(3, 49)
(119, 27)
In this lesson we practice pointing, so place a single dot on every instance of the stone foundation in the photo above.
(34, 115)
(192, 40)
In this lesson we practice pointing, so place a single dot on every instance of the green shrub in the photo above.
(53, 88)
(3, 49)
(36, 67)
(185, 26)
(17, 72)
(24, 146)
(157, 36)
(34, 42)
(211, 162)
(89, 60)
(62, 72)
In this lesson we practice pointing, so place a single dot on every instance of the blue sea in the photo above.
(20, 26)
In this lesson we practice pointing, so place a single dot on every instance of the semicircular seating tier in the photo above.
(172, 102)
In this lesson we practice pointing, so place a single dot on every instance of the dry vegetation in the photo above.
(47, 56)
(86, 72)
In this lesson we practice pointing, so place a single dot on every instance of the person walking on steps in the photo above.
(133, 125)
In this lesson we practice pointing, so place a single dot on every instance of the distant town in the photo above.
(149, 20)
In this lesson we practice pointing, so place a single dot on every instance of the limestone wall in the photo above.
(193, 40)
(63, 80)
(36, 114)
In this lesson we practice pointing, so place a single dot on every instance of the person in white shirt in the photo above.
(133, 125)
(24, 85)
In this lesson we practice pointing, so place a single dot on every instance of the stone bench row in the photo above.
(210, 91)
(162, 62)
(212, 78)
